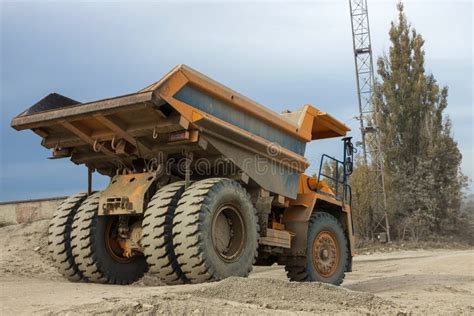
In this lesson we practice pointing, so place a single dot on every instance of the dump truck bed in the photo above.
(184, 111)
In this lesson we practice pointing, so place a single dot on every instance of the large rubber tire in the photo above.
(157, 237)
(59, 237)
(89, 248)
(322, 226)
(193, 224)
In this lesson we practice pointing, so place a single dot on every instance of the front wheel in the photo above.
(326, 255)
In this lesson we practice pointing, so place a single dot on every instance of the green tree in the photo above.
(362, 215)
(422, 160)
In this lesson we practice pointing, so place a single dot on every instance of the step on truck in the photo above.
(204, 184)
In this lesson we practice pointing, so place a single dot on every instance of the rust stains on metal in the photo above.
(126, 194)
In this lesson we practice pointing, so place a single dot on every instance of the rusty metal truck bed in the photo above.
(184, 111)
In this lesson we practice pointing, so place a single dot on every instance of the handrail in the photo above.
(346, 196)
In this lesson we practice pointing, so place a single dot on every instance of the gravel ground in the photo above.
(400, 282)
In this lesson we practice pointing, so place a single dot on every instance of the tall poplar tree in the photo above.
(422, 160)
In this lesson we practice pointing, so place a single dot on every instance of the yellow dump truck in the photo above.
(204, 184)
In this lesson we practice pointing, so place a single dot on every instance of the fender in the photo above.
(296, 217)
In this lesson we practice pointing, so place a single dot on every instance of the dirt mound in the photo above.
(292, 296)
(170, 304)
(246, 296)
(24, 251)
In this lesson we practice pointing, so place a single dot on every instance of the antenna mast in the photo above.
(370, 140)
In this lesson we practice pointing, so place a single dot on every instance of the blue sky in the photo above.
(280, 54)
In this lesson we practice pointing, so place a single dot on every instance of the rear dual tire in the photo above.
(94, 251)
(206, 232)
(157, 238)
(215, 231)
(78, 244)
(59, 237)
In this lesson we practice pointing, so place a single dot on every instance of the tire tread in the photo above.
(59, 237)
(297, 270)
(83, 230)
(157, 234)
(187, 229)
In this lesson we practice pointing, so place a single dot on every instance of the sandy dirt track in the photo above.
(407, 282)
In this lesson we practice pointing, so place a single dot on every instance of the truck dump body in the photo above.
(184, 111)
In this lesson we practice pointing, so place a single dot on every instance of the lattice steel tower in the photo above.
(370, 140)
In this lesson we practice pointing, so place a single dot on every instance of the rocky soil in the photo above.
(399, 282)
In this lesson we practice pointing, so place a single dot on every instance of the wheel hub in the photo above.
(228, 233)
(325, 254)
(123, 245)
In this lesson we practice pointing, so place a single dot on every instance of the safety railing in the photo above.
(342, 190)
